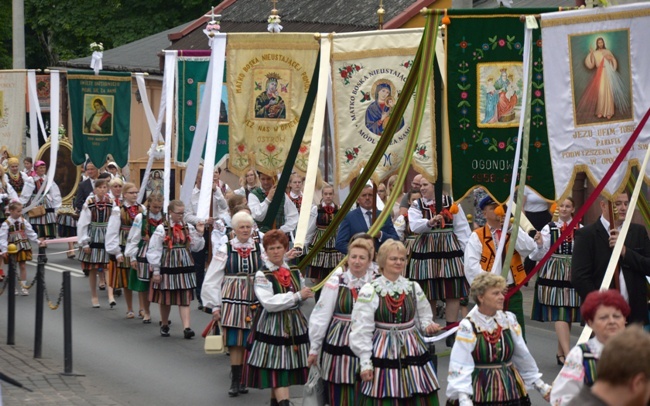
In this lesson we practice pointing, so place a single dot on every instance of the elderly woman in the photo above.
(396, 367)
(330, 322)
(490, 363)
(228, 291)
(277, 351)
(605, 312)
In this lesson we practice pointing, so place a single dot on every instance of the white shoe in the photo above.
(24, 292)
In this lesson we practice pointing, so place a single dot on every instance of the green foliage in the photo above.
(63, 29)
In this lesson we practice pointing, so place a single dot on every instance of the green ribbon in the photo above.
(642, 203)
(418, 81)
(281, 186)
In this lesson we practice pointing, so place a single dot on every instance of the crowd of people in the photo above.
(367, 330)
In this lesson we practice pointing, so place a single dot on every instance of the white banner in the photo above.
(596, 78)
(369, 70)
(12, 111)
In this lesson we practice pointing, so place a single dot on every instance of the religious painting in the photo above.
(272, 93)
(601, 77)
(384, 97)
(67, 175)
(499, 94)
(43, 91)
(98, 120)
(156, 182)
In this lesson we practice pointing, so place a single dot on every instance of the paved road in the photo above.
(125, 362)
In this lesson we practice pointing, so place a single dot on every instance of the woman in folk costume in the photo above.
(402, 225)
(321, 216)
(45, 225)
(329, 325)
(437, 255)
(143, 227)
(604, 312)
(295, 190)
(16, 230)
(170, 255)
(228, 291)
(91, 229)
(388, 320)
(248, 182)
(277, 350)
(555, 298)
(490, 363)
(7, 195)
(17, 179)
(119, 225)
(115, 188)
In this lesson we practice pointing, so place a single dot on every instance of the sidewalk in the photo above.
(43, 377)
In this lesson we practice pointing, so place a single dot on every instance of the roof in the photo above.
(137, 56)
(527, 3)
(297, 16)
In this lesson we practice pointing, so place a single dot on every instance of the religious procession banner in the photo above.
(192, 74)
(100, 107)
(484, 93)
(599, 91)
(268, 81)
(12, 111)
(369, 70)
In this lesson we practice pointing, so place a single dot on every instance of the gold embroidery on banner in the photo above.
(619, 15)
(374, 53)
(101, 77)
(270, 48)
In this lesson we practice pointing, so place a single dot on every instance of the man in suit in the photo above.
(86, 187)
(359, 220)
(592, 249)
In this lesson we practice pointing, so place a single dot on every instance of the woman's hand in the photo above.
(306, 293)
(432, 328)
(134, 264)
(293, 253)
(200, 227)
(366, 376)
(155, 278)
(312, 360)
(86, 250)
(538, 239)
(216, 314)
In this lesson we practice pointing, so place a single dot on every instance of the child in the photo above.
(91, 230)
(16, 230)
(28, 163)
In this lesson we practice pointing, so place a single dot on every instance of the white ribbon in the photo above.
(212, 97)
(54, 127)
(170, 74)
(34, 112)
(154, 126)
(96, 61)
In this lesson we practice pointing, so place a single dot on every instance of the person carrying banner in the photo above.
(286, 219)
(481, 250)
(44, 224)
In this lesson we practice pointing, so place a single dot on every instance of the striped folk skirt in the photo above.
(66, 225)
(176, 287)
(339, 365)
(277, 351)
(555, 298)
(118, 275)
(23, 255)
(98, 257)
(238, 307)
(437, 265)
(326, 259)
(143, 268)
(396, 381)
(45, 226)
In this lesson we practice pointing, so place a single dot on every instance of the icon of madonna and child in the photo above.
(601, 79)
(379, 111)
(500, 98)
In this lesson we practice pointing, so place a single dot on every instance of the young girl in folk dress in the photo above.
(119, 225)
(91, 229)
(7, 195)
(144, 226)
(328, 257)
(16, 230)
(45, 225)
(170, 256)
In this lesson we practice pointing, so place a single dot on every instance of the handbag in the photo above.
(314, 390)
(36, 211)
(213, 339)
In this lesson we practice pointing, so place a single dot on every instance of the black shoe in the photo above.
(112, 304)
(274, 402)
(188, 333)
(235, 377)
(560, 359)
(284, 402)
(164, 330)
(117, 292)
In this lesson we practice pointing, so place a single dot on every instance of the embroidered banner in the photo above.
(599, 91)
(369, 70)
(484, 91)
(192, 74)
(268, 81)
(100, 108)
(12, 111)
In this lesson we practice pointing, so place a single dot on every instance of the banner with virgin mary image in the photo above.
(369, 70)
(100, 108)
(13, 85)
(268, 80)
(599, 91)
(485, 79)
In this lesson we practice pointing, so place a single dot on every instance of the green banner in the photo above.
(100, 107)
(192, 75)
(485, 82)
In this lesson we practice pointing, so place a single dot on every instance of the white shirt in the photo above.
(623, 286)
(275, 302)
(570, 380)
(51, 200)
(420, 224)
(461, 362)
(4, 232)
(219, 206)
(112, 239)
(155, 248)
(534, 202)
(83, 239)
(259, 209)
(27, 182)
(539, 252)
